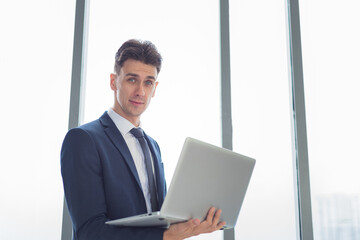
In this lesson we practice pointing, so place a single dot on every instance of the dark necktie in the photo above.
(139, 134)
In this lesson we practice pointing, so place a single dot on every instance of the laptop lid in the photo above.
(206, 176)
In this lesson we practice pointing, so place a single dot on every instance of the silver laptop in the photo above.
(205, 176)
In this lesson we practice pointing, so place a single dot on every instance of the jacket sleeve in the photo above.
(84, 193)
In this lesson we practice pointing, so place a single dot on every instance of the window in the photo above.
(261, 118)
(35, 72)
(331, 79)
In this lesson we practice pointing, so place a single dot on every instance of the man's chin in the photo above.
(137, 113)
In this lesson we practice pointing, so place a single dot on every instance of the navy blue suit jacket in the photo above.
(101, 182)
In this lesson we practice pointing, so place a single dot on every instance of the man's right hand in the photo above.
(194, 227)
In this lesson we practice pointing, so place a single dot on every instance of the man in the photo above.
(108, 171)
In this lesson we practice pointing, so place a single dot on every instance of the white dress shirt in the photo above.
(133, 144)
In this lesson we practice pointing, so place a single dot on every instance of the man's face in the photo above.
(133, 88)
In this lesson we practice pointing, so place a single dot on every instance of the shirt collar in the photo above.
(121, 123)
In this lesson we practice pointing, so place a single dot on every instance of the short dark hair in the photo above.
(143, 51)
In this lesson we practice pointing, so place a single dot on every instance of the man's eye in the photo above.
(149, 83)
(132, 80)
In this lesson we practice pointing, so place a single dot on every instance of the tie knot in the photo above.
(137, 132)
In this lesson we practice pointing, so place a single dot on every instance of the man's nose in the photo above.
(140, 91)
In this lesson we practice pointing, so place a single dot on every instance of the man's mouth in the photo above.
(135, 102)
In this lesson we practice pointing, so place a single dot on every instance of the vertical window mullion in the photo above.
(300, 153)
(226, 120)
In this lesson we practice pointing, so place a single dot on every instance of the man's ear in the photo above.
(153, 94)
(113, 77)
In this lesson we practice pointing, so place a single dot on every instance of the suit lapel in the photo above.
(117, 139)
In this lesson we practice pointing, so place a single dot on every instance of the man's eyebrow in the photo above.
(137, 75)
(132, 74)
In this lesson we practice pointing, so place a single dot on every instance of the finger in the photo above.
(195, 222)
(192, 223)
(216, 219)
(220, 225)
(210, 215)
